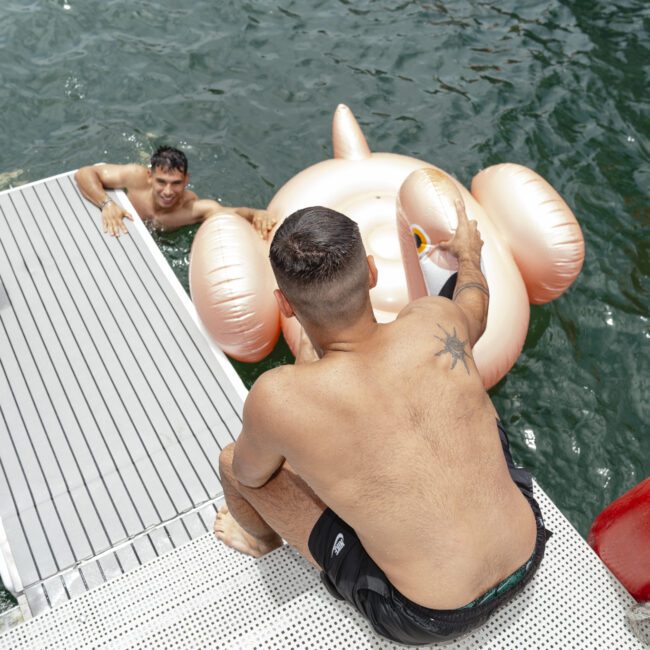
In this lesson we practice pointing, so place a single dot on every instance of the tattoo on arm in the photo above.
(471, 285)
(453, 346)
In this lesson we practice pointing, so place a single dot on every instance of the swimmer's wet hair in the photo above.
(319, 262)
(169, 159)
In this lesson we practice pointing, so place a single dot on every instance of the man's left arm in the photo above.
(261, 220)
(257, 458)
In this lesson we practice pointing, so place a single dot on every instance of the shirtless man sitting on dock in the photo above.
(158, 193)
(383, 463)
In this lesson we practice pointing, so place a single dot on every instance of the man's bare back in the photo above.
(159, 195)
(402, 444)
(389, 439)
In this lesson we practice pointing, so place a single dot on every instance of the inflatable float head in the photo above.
(237, 305)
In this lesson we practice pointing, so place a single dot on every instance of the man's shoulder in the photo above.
(419, 316)
(131, 176)
(274, 381)
(268, 399)
(133, 167)
(428, 305)
(274, 390)
(136, 174)
(194, 208)
(190, 197)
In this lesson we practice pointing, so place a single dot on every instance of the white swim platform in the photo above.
(113, 405)
(113, 409)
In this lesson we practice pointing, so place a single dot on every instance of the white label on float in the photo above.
(434, 276)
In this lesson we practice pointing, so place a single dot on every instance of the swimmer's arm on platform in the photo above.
(94, 180)
(256, 458)
(471, 293)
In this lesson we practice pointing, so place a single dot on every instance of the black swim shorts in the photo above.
(349, 573)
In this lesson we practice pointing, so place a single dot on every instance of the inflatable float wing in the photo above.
(232, 285)
(365, 185)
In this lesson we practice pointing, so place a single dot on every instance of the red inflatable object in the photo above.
(621, 537)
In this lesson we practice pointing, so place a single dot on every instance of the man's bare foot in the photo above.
(232, 534)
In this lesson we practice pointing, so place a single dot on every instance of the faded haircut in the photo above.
(169, 159)
(320, 265)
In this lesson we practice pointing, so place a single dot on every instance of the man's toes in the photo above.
(223, 509)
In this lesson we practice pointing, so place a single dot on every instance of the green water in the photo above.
(248, 89)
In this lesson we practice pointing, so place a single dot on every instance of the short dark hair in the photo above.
(169, 159)
(320, 265)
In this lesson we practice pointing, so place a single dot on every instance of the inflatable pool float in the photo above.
(533, 246)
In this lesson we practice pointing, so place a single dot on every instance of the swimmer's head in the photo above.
(168, 175)
(321, 267)
(169, 159)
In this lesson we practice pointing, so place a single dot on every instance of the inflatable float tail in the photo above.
(348, 140)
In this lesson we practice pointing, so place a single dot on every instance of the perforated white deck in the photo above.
(204, 595)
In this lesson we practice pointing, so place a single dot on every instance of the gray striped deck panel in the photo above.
(113, 405)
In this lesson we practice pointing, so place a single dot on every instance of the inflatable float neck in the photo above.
(347, 137)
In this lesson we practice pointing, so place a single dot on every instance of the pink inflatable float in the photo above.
(533, 246)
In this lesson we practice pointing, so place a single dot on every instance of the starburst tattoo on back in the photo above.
(453, 346)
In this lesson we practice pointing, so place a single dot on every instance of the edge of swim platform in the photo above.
(169, 274)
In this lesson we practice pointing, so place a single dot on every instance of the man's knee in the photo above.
(225, 460)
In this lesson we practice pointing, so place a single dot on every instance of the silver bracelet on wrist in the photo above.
(105, 202)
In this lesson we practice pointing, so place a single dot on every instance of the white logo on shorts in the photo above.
(339, 543)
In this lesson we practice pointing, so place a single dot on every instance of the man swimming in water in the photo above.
(384, 462)
(158, 193)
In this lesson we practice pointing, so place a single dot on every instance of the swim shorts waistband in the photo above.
(507, 583)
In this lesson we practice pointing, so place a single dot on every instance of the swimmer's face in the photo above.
(168, 186)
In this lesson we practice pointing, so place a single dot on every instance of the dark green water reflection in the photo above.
(248, 90)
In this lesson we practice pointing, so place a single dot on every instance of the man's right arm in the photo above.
(471, 293)
(257, 457)
(93, 181)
